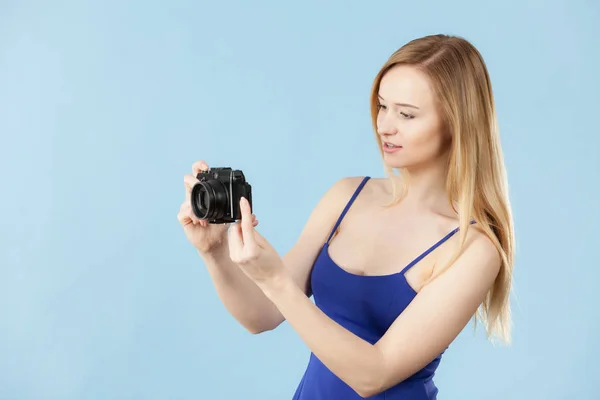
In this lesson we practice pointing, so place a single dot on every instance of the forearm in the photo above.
(354, 360)
(242, 298)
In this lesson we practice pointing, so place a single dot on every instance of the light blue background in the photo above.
(104, 106)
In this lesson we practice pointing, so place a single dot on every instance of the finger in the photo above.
(189, 181)
(183, 217)
(186, 209)
(236, 243)
(247, 225)
(199, 166)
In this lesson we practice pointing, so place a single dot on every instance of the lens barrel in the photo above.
(209, 199)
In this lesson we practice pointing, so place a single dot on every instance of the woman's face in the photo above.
(409, 120)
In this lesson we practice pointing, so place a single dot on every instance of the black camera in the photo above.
(216, 197)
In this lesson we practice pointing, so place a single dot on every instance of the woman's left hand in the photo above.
(251, 251)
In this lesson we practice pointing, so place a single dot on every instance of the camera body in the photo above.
(216, 197)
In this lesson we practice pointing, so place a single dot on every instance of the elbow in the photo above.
(375, 386)
(261, 324)
(253, 330)
(256, 329)
(371, 384)
(260, 328)
(368, 391)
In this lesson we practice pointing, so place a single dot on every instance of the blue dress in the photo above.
(366, 306)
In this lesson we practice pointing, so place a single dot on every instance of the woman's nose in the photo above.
(386, 127)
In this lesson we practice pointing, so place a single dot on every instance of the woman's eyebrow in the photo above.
(401, 104)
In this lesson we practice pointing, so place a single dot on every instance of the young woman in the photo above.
(397, 265)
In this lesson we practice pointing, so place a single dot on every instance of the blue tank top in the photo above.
(366, 305)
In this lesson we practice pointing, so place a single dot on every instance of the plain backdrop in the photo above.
(105, 105)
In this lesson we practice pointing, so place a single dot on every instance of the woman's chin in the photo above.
(392, 162)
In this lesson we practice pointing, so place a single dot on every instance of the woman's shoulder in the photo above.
(351, 183)
(373, 190)
(343, 188)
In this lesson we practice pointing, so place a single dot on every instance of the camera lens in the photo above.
(209, 199)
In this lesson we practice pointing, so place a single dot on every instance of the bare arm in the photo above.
(428, 325)
(240, 296)
(244, 300)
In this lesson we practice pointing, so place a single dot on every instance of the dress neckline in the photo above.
(395, 275)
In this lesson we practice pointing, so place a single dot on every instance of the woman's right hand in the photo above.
(204, 236)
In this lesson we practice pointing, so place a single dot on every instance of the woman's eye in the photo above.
(407, 116)
(381, 106)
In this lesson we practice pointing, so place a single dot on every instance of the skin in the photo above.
(261, 289)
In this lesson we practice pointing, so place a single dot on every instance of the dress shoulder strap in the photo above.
(341, 217)
(429, 250)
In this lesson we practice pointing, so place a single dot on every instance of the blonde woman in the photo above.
(397, 265)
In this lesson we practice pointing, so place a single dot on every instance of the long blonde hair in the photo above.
(476, 179)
